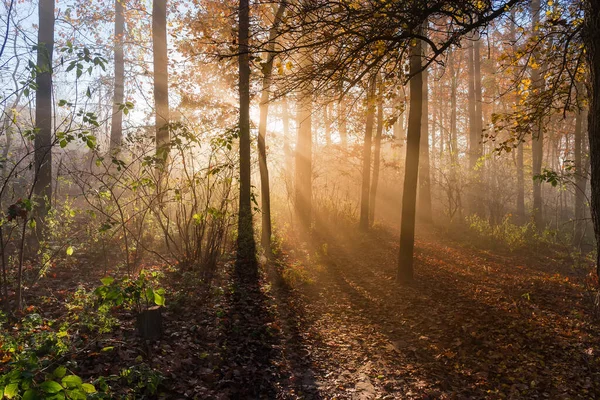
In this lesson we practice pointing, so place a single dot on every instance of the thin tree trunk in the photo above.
(342, 126)
(580, 179)
(304, 151)
(476, 148)
(537, 146)
(246, 247)
(411, 172)
(520, 165)
(424, 177)
(265, 194)
(376, 156)
(287, 152)
(43, 115)
(161, 77)
(366, 156)
(116, 128)
(327, 118)
(591, 35)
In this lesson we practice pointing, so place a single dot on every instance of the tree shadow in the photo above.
(263, 355)
(456, 337)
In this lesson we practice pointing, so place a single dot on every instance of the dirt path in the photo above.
(474, 325)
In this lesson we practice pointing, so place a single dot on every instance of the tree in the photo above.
(246, 247)
(537, 146)
(376, 154)
(424, 174)
(265, 194)
(366, 156)
(116, 128)
(411, 171)
(304, 147)
(161, 77)
(520, 166)
(591, 37)
(580, 175)
(43, 112)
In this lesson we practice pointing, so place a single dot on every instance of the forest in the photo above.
(307, 199)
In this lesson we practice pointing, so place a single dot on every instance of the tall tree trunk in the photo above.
(342, 125)
(537, 146)
(161, 77)
(580, 178)
(116, 127)
(411, 171)
(366, 157)
(376, 156)
(424, 177)
(43, 114)
(520, 165)
(591, 35)
(477, 148)
(327, 118)
(246, 247)
(304, 150)
(265, 194)
(472, 110)
(287, 152)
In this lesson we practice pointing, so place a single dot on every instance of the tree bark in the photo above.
(411, 172)
(591, 36)
(366, 156)
(116, 128)
(265, 194)
(537, 145)
(246, 247)
(520, 165)
(580, 178)
(161, 77)
(376, 156)
(304, 151)
(43, 114)
(342, 126)
(424, 177)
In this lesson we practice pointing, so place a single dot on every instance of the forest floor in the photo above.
(331, 322)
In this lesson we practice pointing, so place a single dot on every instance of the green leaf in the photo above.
(107, 348)
(70, 250)
(88, 388)
(72, 381)
(30, 394)
(60, 372)
(51, 387)
(159, 299)
(107, 280)
(76, 394)
(11, 390)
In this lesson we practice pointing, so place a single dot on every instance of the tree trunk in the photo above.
(116, 128)
(327, 118)
(366, 156)
(246, 247)
(265, 194)
(537, 145)
(342, 126)
(591, 35)
(376, 156)
(476, 144)
(424, 177)
(304, 151)
(580, 179)
(43, 114)
(520, 166)
(411, 172)
(287, 152)
(161, 77)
